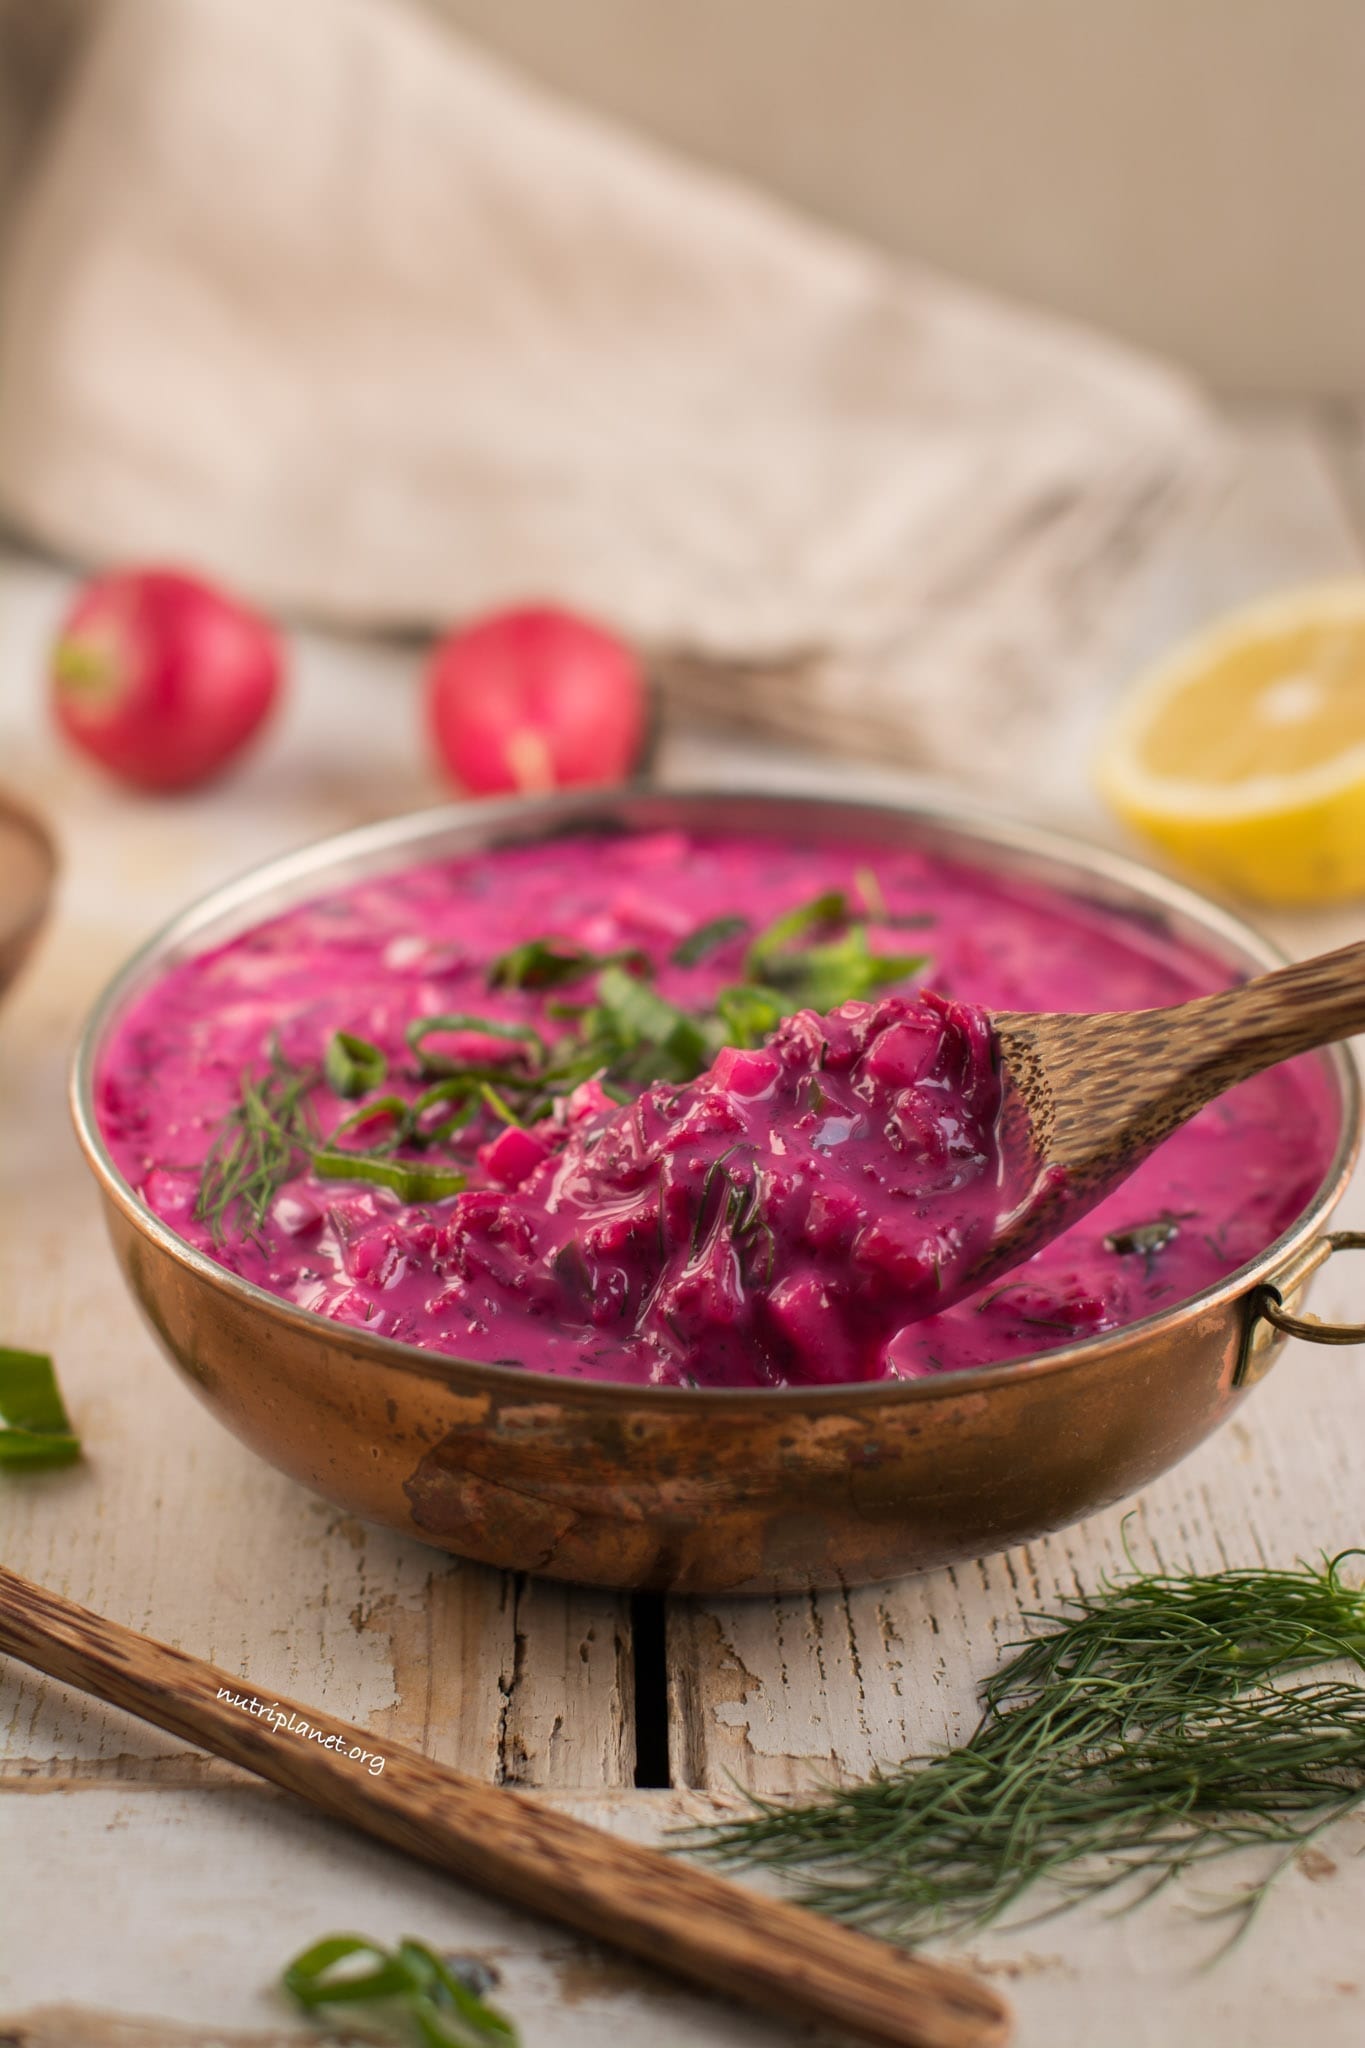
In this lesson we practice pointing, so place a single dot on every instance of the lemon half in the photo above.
(1242, 754)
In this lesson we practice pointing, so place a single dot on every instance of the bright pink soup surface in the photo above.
(785, 1218)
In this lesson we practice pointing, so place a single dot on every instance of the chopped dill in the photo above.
(260, 1145)
(1144, 1732)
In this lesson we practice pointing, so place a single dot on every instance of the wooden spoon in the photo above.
(1087, 1098)
(723, 1937)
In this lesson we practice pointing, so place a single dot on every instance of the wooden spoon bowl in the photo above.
(28, 870)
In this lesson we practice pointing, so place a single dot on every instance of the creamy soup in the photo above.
(686, 1109)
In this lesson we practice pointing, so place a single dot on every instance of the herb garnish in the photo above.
(258, 1147)
(410, 1180)
(35, 1428)
(1142, 1734)
(624, 1036)
(630, 1034)
(830, 971)
(707, 939)
(552, 963)
(353, 1066)
(270, 1136)
(441, 1998)
(1146, 1240)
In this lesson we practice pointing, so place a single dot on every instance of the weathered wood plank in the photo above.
(168, 1524)
(188, 1902)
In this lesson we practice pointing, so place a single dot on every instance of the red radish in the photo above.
(535, 699)
(162, 678)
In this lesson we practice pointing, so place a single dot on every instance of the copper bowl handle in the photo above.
(1268, 1303)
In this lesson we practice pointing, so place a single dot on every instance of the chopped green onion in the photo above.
(441, 1997)
(352, 1065)
(829, 909)
(391, 1107)
(749, 1012)
(411, 1180)
(35, 1428)
(523, 1039)
(707, 939)
(552, 963)
(642, 1019)
(500, 1109)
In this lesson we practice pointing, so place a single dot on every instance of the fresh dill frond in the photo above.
(261, 1144)
(1147, 1730)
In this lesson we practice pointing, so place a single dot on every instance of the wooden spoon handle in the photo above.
(724, 1937)
(1293, 1010)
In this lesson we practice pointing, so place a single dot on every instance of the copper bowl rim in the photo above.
(365, 850)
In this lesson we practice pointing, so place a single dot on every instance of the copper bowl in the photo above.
(706, 1491)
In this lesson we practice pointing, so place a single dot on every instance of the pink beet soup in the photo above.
(687, 1110)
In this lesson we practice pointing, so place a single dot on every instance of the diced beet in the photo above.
(810, 1330)
(172, 1195)
(512, 1156)
(708, 1114)
(295, 1211)
(902, 1055)
(832, 1218)
(379, 1258)
(621, 1231)
(744, 1072)
(588, 1099)
(897, 1254)
(706, 1298)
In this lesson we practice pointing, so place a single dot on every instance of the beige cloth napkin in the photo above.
(317, 297)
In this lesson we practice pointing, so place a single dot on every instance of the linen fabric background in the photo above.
(323, 301)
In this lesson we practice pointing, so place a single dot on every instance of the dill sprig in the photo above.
(261, 1143)
(270, 1136)
(1149, 1729)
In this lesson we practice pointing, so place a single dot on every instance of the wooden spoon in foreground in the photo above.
(721, 1936)
(1087, 1098)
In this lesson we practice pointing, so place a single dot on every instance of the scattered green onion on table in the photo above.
(438, 1998)
(35, 1428)
(1152, 1728)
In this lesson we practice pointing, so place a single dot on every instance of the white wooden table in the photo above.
(150, 1896)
